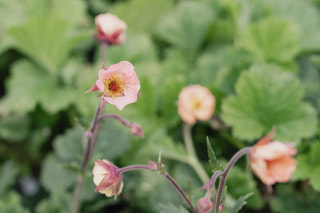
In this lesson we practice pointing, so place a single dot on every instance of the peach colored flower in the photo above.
(119, 84)
(106, 178)
(110, 29)
(272, 161)
(196, 103)
(204, 205)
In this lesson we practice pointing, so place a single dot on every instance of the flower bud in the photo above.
(204, 205)
(153, 165)
(135, 129)
(110, 29)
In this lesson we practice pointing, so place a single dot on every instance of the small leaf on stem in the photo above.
(212, 158)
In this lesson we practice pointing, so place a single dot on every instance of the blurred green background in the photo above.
(260, 58)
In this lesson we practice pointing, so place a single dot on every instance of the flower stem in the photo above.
(223, 177)
(133, 167)
(193, 160)
(104, 53)
(180, 190)
(95, 127)
(167, 176)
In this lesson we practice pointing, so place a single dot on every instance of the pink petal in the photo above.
(94, 88)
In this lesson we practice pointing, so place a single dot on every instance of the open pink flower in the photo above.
(196, 103)
(272, 161)
(119, 84)
(110, 29)
(107, 178)
(204, 205)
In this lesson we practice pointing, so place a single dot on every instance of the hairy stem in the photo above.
(94, 129)
(104, 53)
(223, 177)
(133, 167)
(180, 190)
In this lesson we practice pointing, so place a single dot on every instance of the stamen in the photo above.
(113, 86)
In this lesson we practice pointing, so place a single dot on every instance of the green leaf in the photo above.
(69, 147)
(149, 189)
(9, 172)
(165, 208)
(171, 87)
(37, 138)
(308, 166)
(310, 76)
(147, 99)
(304, 15)
(14, 128)
(29, 86)
(12, 203)
(188, 26)
(151, 10)
(215, 164)
(159, 141)
(137, 49)
(213, 68)
(48, 41)
(67, 158)
(73, 11)
(242, 182)
(268, 97)
(16, 12)
(289, 200)
(54, 177)
(113, 140)
(271, 40)
(59, 202)
(240, 203)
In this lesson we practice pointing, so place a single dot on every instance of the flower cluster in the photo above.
(271, 161)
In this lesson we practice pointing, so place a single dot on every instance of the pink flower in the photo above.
(119, 84)
(110, 29)
(106, 178)
(272, 161)
(204, 205)
(196, 103)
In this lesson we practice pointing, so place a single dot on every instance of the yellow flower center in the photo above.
(113, 86)
(195, 103)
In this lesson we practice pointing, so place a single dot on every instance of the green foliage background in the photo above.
(260, 58)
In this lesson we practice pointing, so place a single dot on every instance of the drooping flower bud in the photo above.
(107, 178)
(135, 129)
(204, 205)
